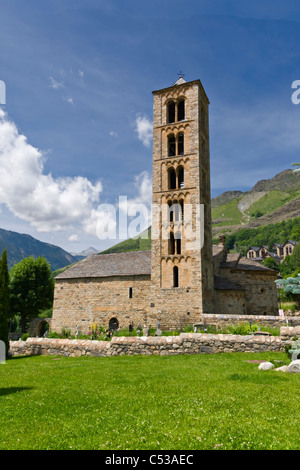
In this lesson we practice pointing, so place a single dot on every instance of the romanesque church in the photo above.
(183, 275)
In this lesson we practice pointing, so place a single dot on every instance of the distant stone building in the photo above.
(260, 253)
(285, 249)
(183, 275)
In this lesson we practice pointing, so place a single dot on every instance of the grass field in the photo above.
(229, 212)
(270, 202)
(148, 402)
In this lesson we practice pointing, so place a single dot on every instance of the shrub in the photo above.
(292, 306)
(53, 334)
(65, 333)
(242, 329)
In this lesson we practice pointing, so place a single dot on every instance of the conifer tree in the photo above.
(4, 301)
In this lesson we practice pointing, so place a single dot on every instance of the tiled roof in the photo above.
(251, 265)
(137, 263)
(132, 263)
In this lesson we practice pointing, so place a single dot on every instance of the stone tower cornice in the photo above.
(181, 88)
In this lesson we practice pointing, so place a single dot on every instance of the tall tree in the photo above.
(31, 287)
(5, 311)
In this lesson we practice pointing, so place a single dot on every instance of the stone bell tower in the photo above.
(181, 265)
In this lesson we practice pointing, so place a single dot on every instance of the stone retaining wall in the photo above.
(186, 343)
(264, 320)
(288, 333)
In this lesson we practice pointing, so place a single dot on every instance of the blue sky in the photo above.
(76, 127)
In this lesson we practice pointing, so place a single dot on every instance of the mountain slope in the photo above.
(269, 201)
(20, 246)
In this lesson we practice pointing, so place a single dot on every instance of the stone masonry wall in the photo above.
(186, 343)
(223, 320)
(93, 300)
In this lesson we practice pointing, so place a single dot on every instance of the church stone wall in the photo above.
(261, 294)
(230, 302)
(97, 300)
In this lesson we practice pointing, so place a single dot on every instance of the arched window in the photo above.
(178, 243)
(171, 112)
(180, 176)
(180, 143)
(171, 145)
(172, 178)
(175, 277)
(181, 203)
(171, 244)
(170, 212)
(181, 111)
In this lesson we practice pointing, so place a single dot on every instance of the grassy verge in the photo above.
(184, 402)
(100, 333)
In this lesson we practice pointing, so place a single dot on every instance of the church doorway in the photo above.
(113, 324)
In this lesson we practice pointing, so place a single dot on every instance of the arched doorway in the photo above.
(43, 329)
(113, 324)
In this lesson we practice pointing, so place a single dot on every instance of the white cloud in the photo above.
(102, 222)
(144, 129)
(55, 84)
(74, 238)
(47, 203)
(69, 100)
(127, 218)
(138, 209)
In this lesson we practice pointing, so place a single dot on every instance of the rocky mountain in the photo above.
(269, 201)
(20, 246)
(89, 251)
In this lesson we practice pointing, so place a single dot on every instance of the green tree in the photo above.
(31, 287)
(271, 263)
(291, 263)
(291, 286)
(5, 311)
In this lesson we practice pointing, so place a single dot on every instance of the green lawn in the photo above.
(148, 402)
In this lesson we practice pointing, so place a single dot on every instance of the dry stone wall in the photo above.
(223, 320)
(186, 343)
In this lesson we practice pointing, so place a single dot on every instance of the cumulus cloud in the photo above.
(47, 203)
(137, 209)
(128, 217)
(144, 130)
(74, 238)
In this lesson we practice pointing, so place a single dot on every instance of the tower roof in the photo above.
(180, 81)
